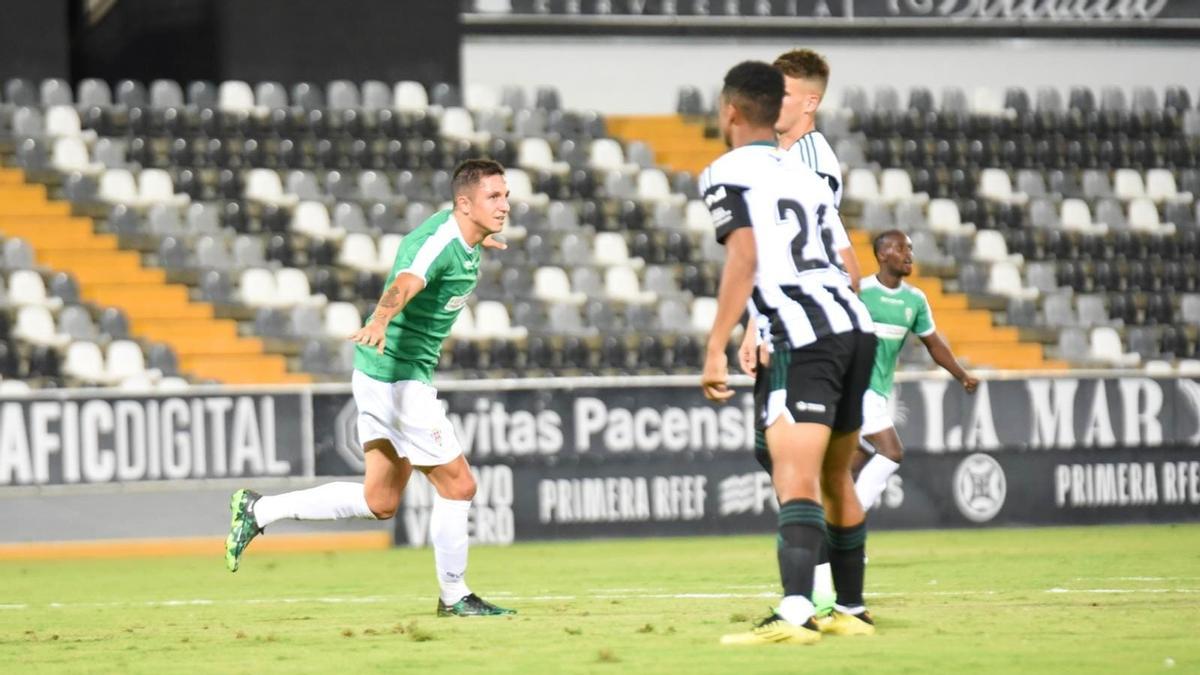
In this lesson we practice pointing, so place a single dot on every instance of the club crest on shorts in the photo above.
(437, 437)
(979, 487)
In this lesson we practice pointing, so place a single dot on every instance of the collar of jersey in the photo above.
(763, 143)
(875, 281)
(458, 234)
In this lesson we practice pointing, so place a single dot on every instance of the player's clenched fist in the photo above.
(714, 381)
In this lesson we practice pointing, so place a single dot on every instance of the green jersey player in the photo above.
(401, 423)
(897, 310)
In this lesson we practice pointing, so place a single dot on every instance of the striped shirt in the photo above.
(813, 150)
(800, 285)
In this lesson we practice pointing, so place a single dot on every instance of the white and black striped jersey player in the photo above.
(822, 334)
(814, 151)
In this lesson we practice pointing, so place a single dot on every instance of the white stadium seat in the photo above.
(1105, 345)
(492, 321)
(1128, 185)
(551, 284)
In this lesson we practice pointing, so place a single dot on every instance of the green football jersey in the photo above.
(896, 312)
(436, 252)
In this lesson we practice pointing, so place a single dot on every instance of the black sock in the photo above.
(846, 548)
(801, 533)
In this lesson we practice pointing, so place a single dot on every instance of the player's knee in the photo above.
(384, 506)
(462, 489)
(893, 452)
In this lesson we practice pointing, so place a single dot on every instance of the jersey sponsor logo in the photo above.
(979, 487)
(890, 301)
(805, 406)
(456, 303)
(717, 195)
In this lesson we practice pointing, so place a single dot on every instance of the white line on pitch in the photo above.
(376, 599)
(1123, 590)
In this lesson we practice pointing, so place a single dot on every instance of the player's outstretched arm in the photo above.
(737, 282)
(395, 297)
(941, 354)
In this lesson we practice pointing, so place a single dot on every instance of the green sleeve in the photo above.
(923, 323)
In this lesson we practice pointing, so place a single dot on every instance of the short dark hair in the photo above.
(756, 90)
(881, 239)
(804, 64)
(468, 174)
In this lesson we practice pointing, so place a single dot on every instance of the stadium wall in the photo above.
(566, 458)
(648, 72)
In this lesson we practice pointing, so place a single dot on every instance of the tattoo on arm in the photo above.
(391, 298)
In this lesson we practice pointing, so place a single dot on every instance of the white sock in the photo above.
(856, 610)
(823, 585)
(331, 501)
(448, 532)
(796, 609)
(873, 479)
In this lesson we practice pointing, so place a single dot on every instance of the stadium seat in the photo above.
(987, 101)
(124, 359)
(62, 121)
(492, 322)
(704, 312)
(117, 186)
(605, 154)
(265, 186)
(235, 96)
(944, 218)
(358, 252)
(1004, 278)
(156, 187)
(17, 255)
(1092, 311)
(1143, 217)
(862, 186)
(84, 363)
(1096, 184)
(458, 125)
(995, 184)
(896, 186)
(520, 189)
(653, 186)
(311, 219)
(1078, 217)
(341, 320)
(551, 285)
(26, 288)
(990, 247)
(1161, 187)
(534, 154)
(35, 325)
(1105, 346)
(410, 97)
(1128, 185)
(621, 285)
(71, 154)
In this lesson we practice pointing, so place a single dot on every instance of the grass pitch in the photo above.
(1062, 600)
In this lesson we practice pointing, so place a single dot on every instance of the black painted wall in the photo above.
(283, 40)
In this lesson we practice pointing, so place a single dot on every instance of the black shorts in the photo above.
(821, 383)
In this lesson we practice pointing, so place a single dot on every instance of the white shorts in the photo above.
(877, 415)
(407, 413)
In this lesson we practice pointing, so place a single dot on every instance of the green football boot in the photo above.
(242, 527)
